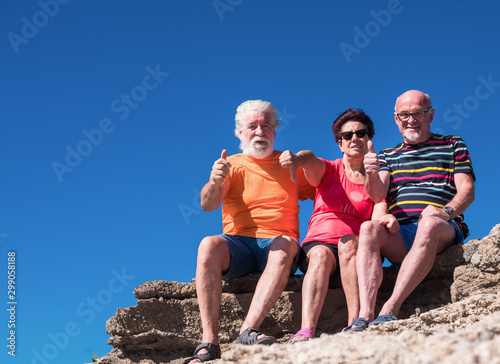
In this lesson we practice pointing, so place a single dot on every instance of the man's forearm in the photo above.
(465, 194)
(211, 196)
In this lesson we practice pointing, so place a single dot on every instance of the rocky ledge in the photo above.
(452, 317)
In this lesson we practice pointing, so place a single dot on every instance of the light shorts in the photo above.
(249, 255)
(409, 231)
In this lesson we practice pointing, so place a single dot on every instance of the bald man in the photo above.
(428, 182)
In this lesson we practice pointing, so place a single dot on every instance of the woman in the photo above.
(340, 207)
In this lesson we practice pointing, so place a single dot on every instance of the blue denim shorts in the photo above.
(249, 255)
(409, 231)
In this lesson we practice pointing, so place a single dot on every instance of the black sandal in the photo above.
(213, 353)
(250, 337)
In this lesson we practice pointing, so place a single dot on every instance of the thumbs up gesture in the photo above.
(220, 169)
(371, 161)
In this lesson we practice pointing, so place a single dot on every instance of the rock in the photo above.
(481, 273)
(445, 342)
(157, 289)
(460, 323)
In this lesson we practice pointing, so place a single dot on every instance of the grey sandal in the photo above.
(360, 324)
(381, 319)
(250, 337)
(213, 353)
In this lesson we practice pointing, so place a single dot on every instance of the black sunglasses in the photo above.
(361, 133)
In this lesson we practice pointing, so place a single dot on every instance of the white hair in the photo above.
(257, 105)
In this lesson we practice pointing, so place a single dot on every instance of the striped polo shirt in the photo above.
(423, 174)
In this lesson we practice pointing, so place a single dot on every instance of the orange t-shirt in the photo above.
(261, 199)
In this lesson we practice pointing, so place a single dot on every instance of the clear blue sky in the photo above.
(112, 113)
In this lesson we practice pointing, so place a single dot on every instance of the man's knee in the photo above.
(209, 243)
(431, 224)
(435, 232)
(283, 248)
(371, 230)
(284, 243)
(212, 247)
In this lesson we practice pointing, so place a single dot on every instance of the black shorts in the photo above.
(304, 249)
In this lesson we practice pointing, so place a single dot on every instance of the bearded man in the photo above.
(260, 227)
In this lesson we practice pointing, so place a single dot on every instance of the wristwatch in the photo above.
(449, 210)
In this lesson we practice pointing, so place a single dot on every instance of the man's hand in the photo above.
(220, 169)
(390, 222)
(290, 160)
(434, 211)
(371, 161)
(215, 189)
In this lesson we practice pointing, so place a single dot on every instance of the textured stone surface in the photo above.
(454, 339)
(165, 325)
(481, 273)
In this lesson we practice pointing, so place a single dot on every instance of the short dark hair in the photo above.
(352, 115)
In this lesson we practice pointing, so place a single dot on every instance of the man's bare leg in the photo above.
(433, 236)
(214, 258)
(374, 240)
(272, 282)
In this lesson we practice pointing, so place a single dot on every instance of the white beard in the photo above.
(256, 150)
(412, 135)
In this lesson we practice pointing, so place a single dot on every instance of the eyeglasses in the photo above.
(417, 115)
(349, 134)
